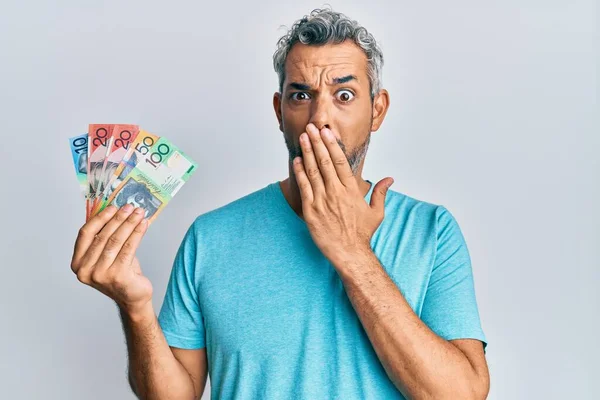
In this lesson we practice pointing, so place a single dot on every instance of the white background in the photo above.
(493, 114)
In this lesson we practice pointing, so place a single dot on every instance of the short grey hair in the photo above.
(325, 26)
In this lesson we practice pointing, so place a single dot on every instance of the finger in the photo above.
(322, 157)
(339, 160)
(88, 231)
(306, 192)
(102, 237)
(379, 192)
(311, 168)
(127, 253)
(117, 240)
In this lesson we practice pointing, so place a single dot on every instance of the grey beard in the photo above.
(354, 158)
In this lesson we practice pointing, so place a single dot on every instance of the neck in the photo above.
(291, 191)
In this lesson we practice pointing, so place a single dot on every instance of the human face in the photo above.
(328, 86)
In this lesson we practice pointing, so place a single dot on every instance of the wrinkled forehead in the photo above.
(313, 63)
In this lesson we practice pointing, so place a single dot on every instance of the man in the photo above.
(321, 286)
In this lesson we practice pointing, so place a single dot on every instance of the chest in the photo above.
(264, 296)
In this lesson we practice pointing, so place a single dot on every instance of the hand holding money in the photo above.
(127, 177)
(104, 257)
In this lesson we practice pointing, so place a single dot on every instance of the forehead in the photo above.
(306, 63)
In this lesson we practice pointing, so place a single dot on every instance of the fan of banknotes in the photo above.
(122, 163)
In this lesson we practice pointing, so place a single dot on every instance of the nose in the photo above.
(320, 113)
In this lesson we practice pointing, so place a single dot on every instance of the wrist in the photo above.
(138, 314)
(349, 260)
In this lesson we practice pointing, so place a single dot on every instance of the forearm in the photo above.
(154, 372)
(421, 364)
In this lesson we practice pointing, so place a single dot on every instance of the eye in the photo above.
(299, 96)
(345, 95)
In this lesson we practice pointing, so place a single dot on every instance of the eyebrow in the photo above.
(336, 81)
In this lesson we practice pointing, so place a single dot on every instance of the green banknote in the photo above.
(155, 180)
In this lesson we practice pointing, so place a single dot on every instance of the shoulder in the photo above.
(399, 205)
(417, 214)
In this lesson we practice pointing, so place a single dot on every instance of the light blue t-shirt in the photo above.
(249, 284)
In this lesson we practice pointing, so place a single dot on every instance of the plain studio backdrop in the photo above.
(493, 114)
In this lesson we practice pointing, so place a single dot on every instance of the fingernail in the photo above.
(139, 210)
(127, 207)
(327, 133)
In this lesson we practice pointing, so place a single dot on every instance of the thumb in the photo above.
(379, 192)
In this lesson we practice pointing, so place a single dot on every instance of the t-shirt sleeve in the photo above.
(450, 307)
(180, 316)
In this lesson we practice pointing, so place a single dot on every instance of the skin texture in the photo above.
(325, 188)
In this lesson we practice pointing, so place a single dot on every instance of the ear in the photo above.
(277, 107)
(381, 103)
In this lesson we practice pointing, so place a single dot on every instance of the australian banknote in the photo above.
(153, 182)
(138, 149)
(120, 142)
(98, 144)
(79, 151)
